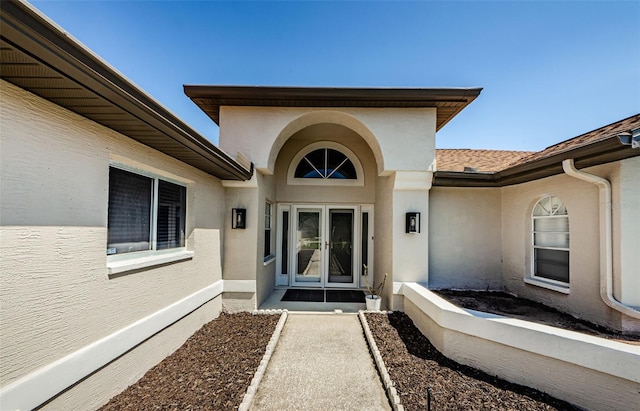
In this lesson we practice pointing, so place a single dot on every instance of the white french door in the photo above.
(324, 246)
(321, 245)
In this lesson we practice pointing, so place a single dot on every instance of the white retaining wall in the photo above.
(590, 372)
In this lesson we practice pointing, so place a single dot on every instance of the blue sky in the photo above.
(550, 70)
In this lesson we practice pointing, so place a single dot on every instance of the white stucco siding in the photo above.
(401, 139)
(582, 202)
(265, 280)
(628, 209)
(325, 193)
(383, 240)
(56, 294)
(465, 238)
(411, 250)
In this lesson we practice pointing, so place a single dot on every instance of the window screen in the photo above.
(551, 240)
(132, 206)
(171, 215)
(129, 220)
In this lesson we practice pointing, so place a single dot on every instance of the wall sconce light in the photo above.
(239, 218)
(413, 223)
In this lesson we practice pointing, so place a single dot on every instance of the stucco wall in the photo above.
(582, 202)
(465, 248)
(265, 280)
(383, 240)
(627, 212)
(260, 132)
(590, 372)
(325, 194)
(56, 294)
(98, 388)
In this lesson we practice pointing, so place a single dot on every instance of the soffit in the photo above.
(448, 101)
(39, 57)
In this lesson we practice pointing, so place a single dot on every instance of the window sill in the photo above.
(116, 267)
(544, 284)
(270, 259)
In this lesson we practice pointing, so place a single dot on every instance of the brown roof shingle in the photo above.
(482, 160)
(490, 161)
(593, 136)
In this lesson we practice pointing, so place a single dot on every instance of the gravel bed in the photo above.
(211, 371)
(415, 365)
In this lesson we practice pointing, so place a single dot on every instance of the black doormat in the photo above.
(303, 295)
(345, 296)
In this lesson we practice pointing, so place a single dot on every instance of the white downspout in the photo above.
(606, 253)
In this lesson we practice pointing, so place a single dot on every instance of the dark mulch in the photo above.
(414, 365)
(211, 371)
(516, 307)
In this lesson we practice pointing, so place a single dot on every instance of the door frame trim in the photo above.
(287, 279)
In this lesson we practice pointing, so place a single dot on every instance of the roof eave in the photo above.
(33, 34)
(211, 97)
(600, 152)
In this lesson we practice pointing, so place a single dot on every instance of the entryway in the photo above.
(326, 246)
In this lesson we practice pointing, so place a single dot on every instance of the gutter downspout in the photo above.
(606, 253)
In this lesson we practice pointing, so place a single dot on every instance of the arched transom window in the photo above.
(326, 163)
(551, 241)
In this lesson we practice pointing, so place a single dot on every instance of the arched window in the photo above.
(325, 163)
(550, 227)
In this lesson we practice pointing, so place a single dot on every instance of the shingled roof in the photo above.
(480, 160)
(593, 136)
(496, 168)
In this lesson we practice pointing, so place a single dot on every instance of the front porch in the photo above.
(275, 302)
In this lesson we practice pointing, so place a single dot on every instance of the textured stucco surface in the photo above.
(260, 132)
(266, 277)
(465, 231)
(325, 194)
(56, 294)
(628, 210)
(582, 202)
(582, 386)
(383, 241)
(97, 389)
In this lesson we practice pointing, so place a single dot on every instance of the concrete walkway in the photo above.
(321, 362)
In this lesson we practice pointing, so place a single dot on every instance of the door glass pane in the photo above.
(365, 241)
(285, 242)
(309, 247)
(341, 246)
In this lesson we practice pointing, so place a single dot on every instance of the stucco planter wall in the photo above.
(590, 372)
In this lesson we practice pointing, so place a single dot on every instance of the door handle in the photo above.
(326, 245)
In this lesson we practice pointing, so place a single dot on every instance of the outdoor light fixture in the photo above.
(630, 139)
(239, 218)
(413, 223)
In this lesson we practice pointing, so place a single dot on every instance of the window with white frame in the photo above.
(267, 230)
(145, 213)
(550, 256)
